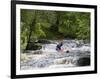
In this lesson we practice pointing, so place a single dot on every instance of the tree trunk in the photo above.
(31, 29)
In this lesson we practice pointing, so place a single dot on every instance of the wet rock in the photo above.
(28, 51)
(67, 51)
(79, 43)
(38, 52)
(60, 61)
(25, 58)
(44, 41)
(86, 41)
(33, 46)
(83, 61)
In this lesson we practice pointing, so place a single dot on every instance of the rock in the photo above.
(83, 61)
(67, 51)
(25, 57)
(33, 46)
(59, 61)
(68, 61)
(44, 41)
(79, 43)
(28, 51)
(38, 52)
(86, 41)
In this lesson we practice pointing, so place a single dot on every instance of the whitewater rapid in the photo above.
(49, 57)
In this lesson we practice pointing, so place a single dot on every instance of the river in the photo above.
(74, 53)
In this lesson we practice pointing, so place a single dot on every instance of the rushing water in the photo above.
(72, 53)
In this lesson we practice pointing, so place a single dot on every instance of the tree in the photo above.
(45, 24)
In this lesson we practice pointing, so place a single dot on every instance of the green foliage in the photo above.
(41, 24)
(84, 26)
(38, 31)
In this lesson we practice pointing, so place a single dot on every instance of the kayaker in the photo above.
(58, 47)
